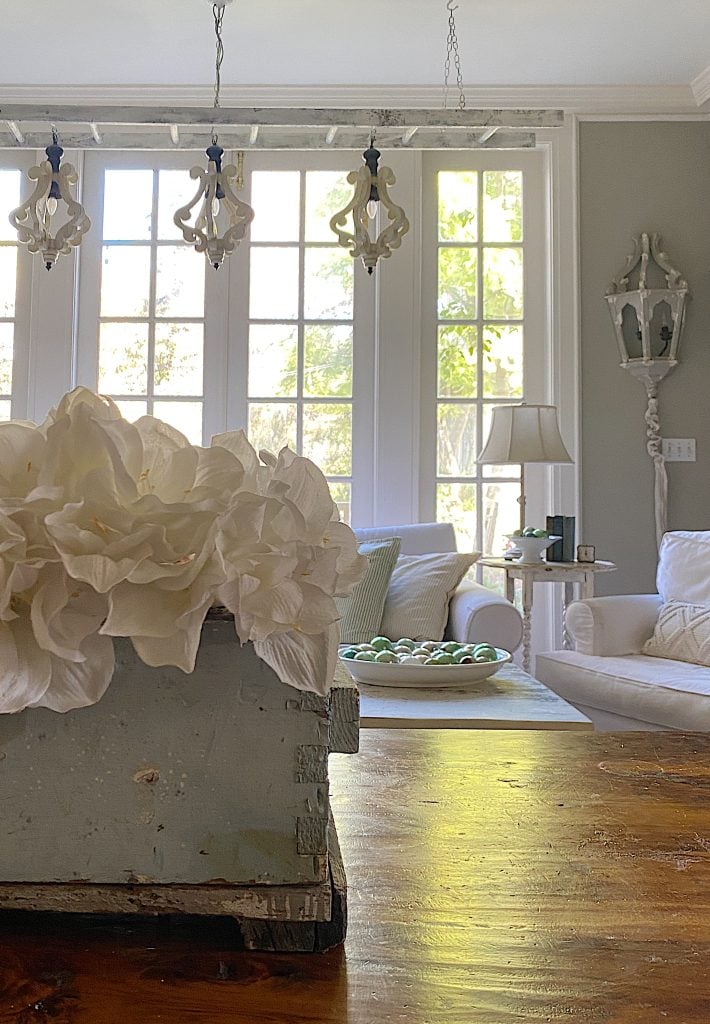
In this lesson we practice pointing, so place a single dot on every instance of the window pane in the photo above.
(272, 425)
(503, 361)
(128, 204)
(273, 361)
(125, 280)
(328, 361)
(123, 359)
(456, 503)
(341, 494)
(7, 332)
(501, 515)
(457, 362)
(457, 283)
(458, 206)
(503, 283)
(184, 416)
(502, 206)
(175, 189)
(178, 359)
(273, 291)
(456, 436)
(9, 200)
(327, 192)
(276, 200)
(5, 410)
(8, 279)
(328, 285)
(132, 411)
(327, 437)
(180, 282)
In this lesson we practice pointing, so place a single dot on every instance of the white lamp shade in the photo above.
(524, 433)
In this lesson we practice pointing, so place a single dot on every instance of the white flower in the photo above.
(115, 529)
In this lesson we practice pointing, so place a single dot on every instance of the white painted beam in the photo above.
(298, 117)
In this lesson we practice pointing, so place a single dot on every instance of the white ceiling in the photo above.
(354, 42)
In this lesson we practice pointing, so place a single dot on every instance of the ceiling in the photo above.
(355, 42)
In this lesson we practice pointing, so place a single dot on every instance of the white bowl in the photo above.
(532, 548)
(378, 673)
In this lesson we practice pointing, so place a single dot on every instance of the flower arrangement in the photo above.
(109, 528)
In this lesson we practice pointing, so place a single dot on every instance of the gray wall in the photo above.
(638, 177)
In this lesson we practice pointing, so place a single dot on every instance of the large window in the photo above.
(485, 329)
(301, 323)
(10, 183)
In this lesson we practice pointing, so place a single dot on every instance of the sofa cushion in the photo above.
(682, 573)
(361, 612)
(420, 589)
(682, 632)
(669, 693)
(416, 538)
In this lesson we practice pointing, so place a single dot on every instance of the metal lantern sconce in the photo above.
(221, 209)
(371, 192)
(648, 324)
(36, 219)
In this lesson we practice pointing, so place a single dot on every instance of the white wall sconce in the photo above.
(648, 323)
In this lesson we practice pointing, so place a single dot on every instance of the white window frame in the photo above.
(21, 160)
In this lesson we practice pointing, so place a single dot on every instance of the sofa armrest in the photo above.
(612, 626)
(477, 614)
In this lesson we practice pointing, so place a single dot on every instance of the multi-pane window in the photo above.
(10, 183)
(480, 322)
(301, 323)
(151, 317)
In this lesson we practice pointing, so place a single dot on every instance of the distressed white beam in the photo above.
(19, 137)
(487, 134)
(298, 117)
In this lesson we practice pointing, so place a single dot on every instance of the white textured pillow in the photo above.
(420, 589)
(682, 633)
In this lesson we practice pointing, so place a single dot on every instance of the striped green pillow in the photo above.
(361, 612)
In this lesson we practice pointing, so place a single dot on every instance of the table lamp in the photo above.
(520, 434)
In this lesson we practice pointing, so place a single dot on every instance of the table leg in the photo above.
(569, 597)
(527, 595)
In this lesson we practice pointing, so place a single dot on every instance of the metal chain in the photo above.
(218, 12)
(452, 49)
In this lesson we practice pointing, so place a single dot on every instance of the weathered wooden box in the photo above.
(201, 793)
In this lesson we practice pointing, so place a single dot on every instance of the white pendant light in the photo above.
(371, 193)
(38, 221)
(222, 219)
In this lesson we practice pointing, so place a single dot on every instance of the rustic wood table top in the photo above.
(495, 878)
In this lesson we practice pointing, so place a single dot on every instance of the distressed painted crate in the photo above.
(201, 793)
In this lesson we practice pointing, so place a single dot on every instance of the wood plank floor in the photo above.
(495, 878)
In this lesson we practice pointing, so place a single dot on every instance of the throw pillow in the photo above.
(420, 589)
(682, 633)
(361, 611)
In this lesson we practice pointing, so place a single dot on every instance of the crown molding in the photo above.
(574, 99)
(700, 87)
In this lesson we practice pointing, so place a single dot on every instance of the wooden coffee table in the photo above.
(510, 699)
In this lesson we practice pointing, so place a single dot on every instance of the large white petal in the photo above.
(79, 684)
(25, 670)
(305, 662)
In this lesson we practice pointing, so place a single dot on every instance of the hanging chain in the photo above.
(218, 12)
(452, 50)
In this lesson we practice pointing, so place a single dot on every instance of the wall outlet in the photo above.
(678, 449)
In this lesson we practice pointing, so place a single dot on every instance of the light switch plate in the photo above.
(678, 449)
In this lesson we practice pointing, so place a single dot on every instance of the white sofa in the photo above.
(475, 613)
(608, 677)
